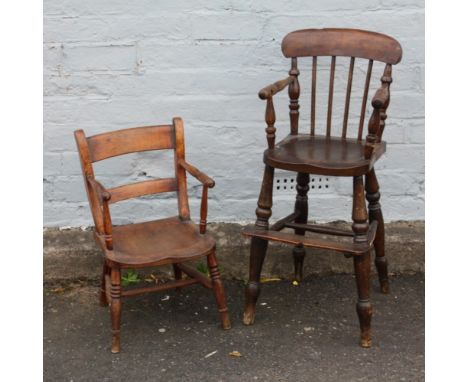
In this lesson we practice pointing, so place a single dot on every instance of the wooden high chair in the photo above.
(327, 154)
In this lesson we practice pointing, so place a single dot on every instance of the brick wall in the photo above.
(115, 64)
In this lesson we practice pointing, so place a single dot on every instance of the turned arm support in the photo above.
(99, 189)
(267, 94)
(102, 197)
(380, 102)
(270, 117)
(270, 90)
(196, 173)
(381, 97)
(207, 182)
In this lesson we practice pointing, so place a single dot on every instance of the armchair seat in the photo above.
(157, 242)
(322, 155)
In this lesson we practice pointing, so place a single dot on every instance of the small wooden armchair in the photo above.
(173, 240)
(326, 154)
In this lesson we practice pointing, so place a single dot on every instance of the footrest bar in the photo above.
(320, 229)
(312, 242)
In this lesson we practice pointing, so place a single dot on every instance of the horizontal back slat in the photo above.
(342, 42)
(146, 187)
(132, 140)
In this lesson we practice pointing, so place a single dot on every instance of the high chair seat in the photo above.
(322, 155)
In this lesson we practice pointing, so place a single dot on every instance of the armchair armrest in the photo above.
(207, 183)
(99, 189)
(104, 222)
(270, 90)
(196, 173)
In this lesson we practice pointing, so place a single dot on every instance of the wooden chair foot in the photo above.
(258, 250)
(218, 290)
(177, 274)
(362, 265)
(298, 255)
(225, 320)
(252, 291)
(116, 309)
(381, 265)
(115, 342)
(364, 311)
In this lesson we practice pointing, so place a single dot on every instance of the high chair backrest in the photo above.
(351, 43)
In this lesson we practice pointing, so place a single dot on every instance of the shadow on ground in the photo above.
(304, 333)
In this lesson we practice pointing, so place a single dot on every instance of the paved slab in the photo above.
(304, 333)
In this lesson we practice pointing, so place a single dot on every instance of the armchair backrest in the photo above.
(103, 146)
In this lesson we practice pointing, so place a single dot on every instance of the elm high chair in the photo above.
(329, 155)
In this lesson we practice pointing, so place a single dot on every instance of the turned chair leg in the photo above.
(218, 290)
(258, 247)
(375, 213)
(362, 266)
(302, 208)
(177, 274)
(102, 294)
(362, 262)
(116, 309)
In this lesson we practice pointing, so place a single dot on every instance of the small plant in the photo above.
(202, 268)
(130, 277)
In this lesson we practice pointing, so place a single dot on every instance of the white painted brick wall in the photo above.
(115, 64)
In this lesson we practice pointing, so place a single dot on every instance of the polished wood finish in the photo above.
(294, 91)
(342, 42)
(323, 155)
(172, 240)
(313, 95)
(348, 98)
(157, 242)
(301, 207)
(364, 99)
(329, 155)
(107, 145)
(147, 187)
(258, 246)
(352, 248)
(330, 94)
(375, 214)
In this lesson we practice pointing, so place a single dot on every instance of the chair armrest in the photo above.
(196, 173)
(99, 189)
(381, 98)
(270, 90)
(207, 183)
(105, 222)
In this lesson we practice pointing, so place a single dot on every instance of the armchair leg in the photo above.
(375, 213)
(218, 290)
(177, 274)
(116, 309)
(258, 246)
(362, 263)
(302, 207)
(102, 293)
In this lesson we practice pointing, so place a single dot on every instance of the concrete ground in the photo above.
(304, 333)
